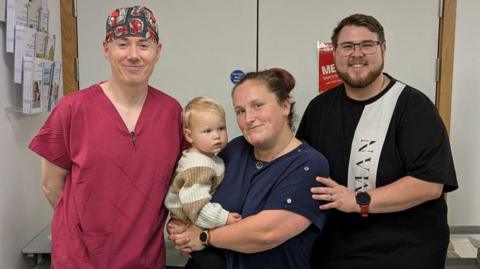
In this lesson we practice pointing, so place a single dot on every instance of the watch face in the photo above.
(363, 198)
(203, 237)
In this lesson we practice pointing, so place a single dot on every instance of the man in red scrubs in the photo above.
(108, 153)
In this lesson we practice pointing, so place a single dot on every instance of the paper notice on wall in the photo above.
(50, 48)
(17, 14)
(45, 46)
(37, 75)
(46, 83)
(327, 73)
(29, 36)
(27, 85)
(43, 19)
(10, 33)
(33, 86)
(18, 63)
(21, 12)
(33, 13)
(54, 93)
(24, 47)
(40, 44)
(2, 10)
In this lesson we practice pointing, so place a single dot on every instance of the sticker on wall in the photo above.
(236, 76)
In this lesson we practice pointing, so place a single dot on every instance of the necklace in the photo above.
(259, 163)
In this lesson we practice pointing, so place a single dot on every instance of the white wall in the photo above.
(289, 29)
(464, 204)
(23, 210)
(202, 43)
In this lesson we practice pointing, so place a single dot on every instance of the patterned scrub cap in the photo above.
(131, 21)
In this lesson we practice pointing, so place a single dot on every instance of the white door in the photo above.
(205, 40)
(288, 31)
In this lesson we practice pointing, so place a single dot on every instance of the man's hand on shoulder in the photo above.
(335, 195)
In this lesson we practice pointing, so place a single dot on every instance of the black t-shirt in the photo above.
(417, 145)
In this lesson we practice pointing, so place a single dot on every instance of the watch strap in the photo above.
(364, 210)
(363, 200)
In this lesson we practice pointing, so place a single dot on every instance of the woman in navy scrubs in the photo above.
(267, 180)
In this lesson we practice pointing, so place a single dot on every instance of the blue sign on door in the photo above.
(236, 76)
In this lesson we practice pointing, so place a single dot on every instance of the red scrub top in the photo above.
(111, 213)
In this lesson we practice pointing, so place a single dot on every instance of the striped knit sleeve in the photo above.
(172, 201)
(212, 215)
(195, 195)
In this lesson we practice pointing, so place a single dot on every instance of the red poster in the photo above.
(327, 74)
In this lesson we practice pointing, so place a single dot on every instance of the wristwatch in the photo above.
(363, 200)
(205, 237)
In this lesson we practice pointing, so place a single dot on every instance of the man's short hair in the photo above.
(360, 20)
(201, 103)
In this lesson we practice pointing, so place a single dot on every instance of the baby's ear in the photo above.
(188, 135)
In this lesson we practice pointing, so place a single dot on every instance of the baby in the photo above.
(199, 170)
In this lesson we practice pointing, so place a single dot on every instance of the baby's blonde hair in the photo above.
(201, 103)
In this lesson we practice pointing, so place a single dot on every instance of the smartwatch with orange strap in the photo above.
(363, 200)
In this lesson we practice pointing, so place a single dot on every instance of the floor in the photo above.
(462, 254)
(451, 264)
(462, 264)
(463, 245)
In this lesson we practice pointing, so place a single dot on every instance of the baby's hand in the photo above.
(233, 217)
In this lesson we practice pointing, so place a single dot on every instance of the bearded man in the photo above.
(390, 161)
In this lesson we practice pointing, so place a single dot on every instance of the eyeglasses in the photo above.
(366, 47)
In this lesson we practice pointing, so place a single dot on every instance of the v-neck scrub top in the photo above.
(111, 213)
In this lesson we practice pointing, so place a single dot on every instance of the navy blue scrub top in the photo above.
(251, 186)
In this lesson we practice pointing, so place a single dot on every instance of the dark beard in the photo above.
(360, 83)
